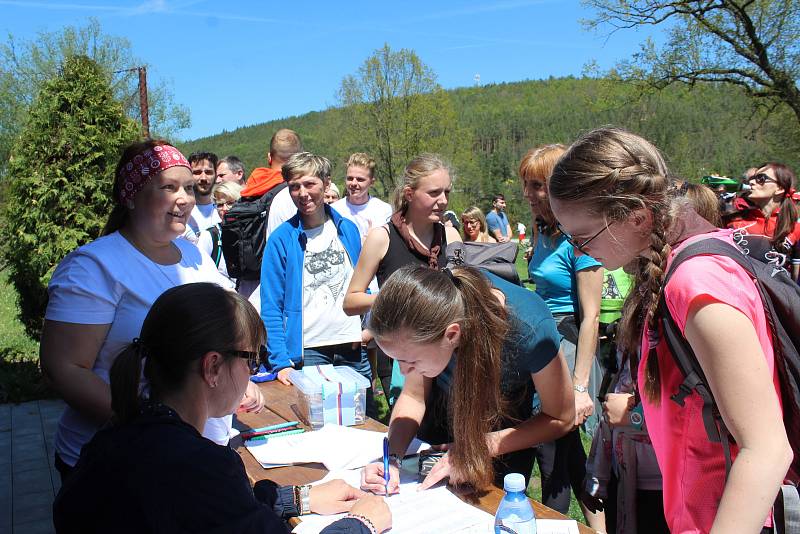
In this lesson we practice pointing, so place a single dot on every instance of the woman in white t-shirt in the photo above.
(225, 194)
(101, 292)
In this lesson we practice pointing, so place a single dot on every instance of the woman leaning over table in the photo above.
(100, 293)
(458, 333)
(152, 471)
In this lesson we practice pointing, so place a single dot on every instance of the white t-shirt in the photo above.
(373, 213)
(327, 270)
(281, 210)
(203, 216)
(205, 242)
(108, 281)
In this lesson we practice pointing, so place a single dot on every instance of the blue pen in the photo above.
(386, 463)
(274, 427)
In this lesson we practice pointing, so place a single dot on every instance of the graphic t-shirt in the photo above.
(616, 286)
(327, 270)
(497, 221)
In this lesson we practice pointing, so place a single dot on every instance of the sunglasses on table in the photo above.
(761, 179)
(254, 359)
(581, 246)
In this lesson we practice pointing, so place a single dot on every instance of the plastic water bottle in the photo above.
(515, 513)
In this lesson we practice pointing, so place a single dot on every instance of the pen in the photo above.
(386, 463)
(248, 435)
(273, 427)
(279, 434)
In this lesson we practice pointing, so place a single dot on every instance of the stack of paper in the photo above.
(337, 447)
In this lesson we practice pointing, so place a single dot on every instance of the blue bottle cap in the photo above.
(514, 482)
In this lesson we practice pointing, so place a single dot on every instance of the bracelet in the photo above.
(305, 499)
(397, 460)
(365, 520)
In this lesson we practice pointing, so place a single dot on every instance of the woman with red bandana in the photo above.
(101, 292)
(773, 215)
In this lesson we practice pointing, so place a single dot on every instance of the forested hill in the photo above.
(709, 129)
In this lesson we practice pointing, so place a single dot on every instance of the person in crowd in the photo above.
(414, 235)
(611, 194)
(497, 220)
(204, 215)
(152, 471)
(474, 226)
(703, 199)
(230, 169)
(570, 283)
(772, 213)
(365, 210)
(331, 193)
(455, 331)
(225, 194)
(283, 144)
(451, 219)
(306, 268)
(100, 293)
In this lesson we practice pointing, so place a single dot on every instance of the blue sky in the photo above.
(238, 63)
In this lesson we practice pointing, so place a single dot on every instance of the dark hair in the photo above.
(119, 213)
(787, 216)
(197, 157)
(233, 163)
(183, 324)
(423, 302)
(497, 197)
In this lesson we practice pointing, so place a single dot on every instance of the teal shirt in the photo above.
(552, 268)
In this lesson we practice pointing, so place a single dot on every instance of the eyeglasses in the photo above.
(581, 246)
(761, 179)
(254, 359)
(224, 204)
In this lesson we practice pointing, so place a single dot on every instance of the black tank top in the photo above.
(399, 255)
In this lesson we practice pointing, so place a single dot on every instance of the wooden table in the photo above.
(280, 401)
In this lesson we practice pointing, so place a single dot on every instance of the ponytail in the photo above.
(423, 302)
(125, 373)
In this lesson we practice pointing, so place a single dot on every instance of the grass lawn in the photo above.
(20, 377)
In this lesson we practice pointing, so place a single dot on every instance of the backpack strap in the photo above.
(685, 358)
(216, 243)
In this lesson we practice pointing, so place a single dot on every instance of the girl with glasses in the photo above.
(613, 175)
(570, 283)
(772, 215)
(474, 226)
(152, 471)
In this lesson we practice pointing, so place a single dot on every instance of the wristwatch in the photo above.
(579, 388)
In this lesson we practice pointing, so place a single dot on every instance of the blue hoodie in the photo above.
(282, 285)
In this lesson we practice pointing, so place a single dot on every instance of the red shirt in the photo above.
(753, 222)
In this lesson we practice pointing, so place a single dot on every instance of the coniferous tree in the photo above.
(60, 178)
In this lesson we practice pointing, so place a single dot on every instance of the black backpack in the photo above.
(244, 234)
(497, 258)
(781, 298)
(216, 243)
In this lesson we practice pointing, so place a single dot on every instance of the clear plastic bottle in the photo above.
(515, 513)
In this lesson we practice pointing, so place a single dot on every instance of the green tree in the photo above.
(397, 111)
(61, 174)
(752, 44)
(26, 65)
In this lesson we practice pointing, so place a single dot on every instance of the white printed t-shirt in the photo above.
(108, 281)
(203, 216)
(327, 270)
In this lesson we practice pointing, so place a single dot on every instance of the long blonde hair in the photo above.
(613, 172)
(474, 212)
(423, 302)
(417, 169)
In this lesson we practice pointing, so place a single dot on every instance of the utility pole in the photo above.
(143, 107)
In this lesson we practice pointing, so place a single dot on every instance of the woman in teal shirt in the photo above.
(570, 284)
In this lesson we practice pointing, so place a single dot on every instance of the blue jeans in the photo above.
(345, 355)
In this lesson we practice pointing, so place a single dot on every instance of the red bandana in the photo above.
(138, 171)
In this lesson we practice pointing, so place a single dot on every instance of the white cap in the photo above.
(514, 482)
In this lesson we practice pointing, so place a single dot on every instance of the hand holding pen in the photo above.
(373, 480)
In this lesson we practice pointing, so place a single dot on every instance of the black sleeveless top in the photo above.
(398, 255)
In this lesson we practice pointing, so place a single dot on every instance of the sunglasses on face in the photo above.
(254, 359)
(761, 179)
(581, 246)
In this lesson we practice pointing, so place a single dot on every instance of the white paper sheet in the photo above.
(337, 447)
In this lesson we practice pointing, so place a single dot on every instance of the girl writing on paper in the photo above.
(473, 348)
(152, 471)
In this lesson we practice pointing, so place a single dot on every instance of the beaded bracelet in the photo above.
(365, 520)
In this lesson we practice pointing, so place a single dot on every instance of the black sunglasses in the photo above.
(761, 179)
(254, 359)
(580, 246)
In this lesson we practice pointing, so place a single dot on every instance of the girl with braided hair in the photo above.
(611, 194)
